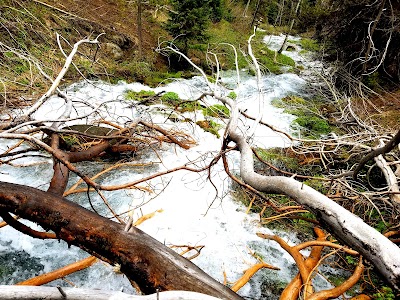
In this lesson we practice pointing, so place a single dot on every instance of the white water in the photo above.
(194, 213)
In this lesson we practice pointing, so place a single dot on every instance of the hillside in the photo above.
(28, 35)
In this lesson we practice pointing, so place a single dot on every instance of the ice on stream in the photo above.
(194, 212)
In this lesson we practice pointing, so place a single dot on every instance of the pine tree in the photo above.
(189, 21)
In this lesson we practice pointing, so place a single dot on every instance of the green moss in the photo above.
(269, 59)
(134, 70)
(291, 104)
(310, 114)
(310, 45)
(159, 77)
(170, 98)
(372, 81)
(70, 140)
(317, 184)
(307, 44)
(217, 111)
(210, 126)
(138, 96)
(21, 67)
(189, 106)
(314, 125)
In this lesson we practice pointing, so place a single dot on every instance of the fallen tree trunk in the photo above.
(347, 227)
(8, 292)
(149, 263)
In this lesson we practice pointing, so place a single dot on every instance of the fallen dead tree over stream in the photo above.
(149, 263)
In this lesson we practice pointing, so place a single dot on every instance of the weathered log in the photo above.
(53, 293)
(144, 260)
(347, 227)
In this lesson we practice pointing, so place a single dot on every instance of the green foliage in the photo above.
(224, 32)
(351, 260)
(160, 77)
(21, 67)
(379, 225)
(309, 114)
(189, 21)
(232, 95)
(216, 10)
(386, 293)
(85, 66)
(170, 98)
(138, 96)
(8, 54)
(133, 69)
(210, 126)
(217, 111)
(309, 45)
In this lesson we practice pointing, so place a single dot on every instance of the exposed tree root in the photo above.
(341, 289)
(60, 273)
(307, 266)
(249, 273)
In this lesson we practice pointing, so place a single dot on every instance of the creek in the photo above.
(194, 212)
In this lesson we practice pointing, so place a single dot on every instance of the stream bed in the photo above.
(194, 211)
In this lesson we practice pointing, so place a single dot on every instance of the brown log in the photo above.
(144, 260)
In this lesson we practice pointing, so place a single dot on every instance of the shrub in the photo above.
(385, 294)
(232, 95)
(170, 98)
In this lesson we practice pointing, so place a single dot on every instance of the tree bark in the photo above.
(144, 260)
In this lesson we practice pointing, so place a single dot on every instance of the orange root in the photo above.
(60, 273)
(249, 273)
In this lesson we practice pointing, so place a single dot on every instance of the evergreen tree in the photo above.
(189, 21)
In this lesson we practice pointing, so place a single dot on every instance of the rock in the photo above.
(113, 50)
